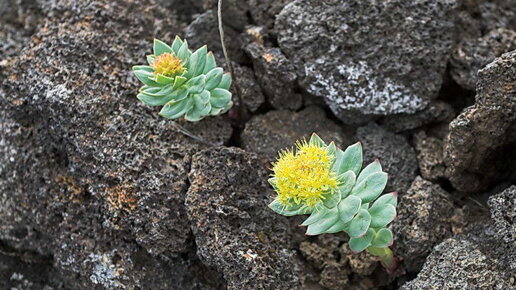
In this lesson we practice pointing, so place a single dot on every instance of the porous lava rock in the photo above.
(423, 221)
(474, 147)
(369, 58)
(235, 232)
(276, 130)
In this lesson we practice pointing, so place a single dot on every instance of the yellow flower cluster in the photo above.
(305, 176)
(168, 65)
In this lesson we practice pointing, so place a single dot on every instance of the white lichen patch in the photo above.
(354, 86)
(104, 272)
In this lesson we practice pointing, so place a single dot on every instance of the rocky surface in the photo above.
(430, 157)
(475, 143)
(235, 230)
(267, 134)
(277, 76)
(98, 192)
(424, 219)
(369, 58)
(479, 259)
(397, 157)
(473, 54)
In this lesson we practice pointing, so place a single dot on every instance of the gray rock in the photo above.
(235, 232)
(396, 155)
(252, 94)
(437, 111)
(430, 156)
(473, 54)
(481, 258)
(89, 175)
(474, 145)
(495, 14)
(503, 213)
(263, 12)
(369, 58)
(424, 220)
(204, 30)
(268, 134)
(277, 76)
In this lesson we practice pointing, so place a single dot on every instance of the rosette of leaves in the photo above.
(184, 83)
(355, 205)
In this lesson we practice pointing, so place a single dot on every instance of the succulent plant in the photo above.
(330, 185)
(184, 83)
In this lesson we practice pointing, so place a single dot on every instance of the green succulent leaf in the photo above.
(348, 208)
(316, 140)
(359, 244)
(317, 214)
(359, 224)
(389, 198)
(383, 238)
(371, 187)
(143, 67)
(160, 47)
(373, 167)
(176, 109)
(324, 224)
(350, 159)
(220, 97)
(197, 61)
(332, 200)
(332, 148)
(282, 209)
(153, 100)
(164, 80)
(176, 45)
(184, 53)
(210, 63)
(225, 83)
(146, 78)
(382, 215)
(196, 85)
(213, 78)
(347, 182)
(179, 81)
(150, 59)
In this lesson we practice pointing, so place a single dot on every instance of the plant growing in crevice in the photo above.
(330, 185)
(186, 84)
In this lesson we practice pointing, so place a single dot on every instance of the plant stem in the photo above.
(228, 61)
(389, 262)
(191, 135)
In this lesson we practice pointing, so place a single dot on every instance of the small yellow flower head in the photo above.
(168, 65)
(305, 176)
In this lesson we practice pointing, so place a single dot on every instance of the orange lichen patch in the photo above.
(122, 198)
(74, 192)
(255, 32)
(268, 57)
(168, 65)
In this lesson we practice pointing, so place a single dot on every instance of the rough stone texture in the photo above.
(204, 31)
(234, 230)
(252, 94)
(503, 213)
(397, 157)
(369, 58)
(437, 111)
(497, 14)
(89, 176)
(474, 145)
(267, 134)
(424, 220)
(429, 156)
(482, 258)
(277, 76)
(264, 12)
(473, 54)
